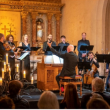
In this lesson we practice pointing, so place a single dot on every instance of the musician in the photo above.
(107, 71)
(92, 60)
(62, 44)
(49, 39)
(70, 62)
(10, 39)
(26, 59)
(83, 42)
(3, 52)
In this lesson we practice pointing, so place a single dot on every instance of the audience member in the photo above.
(48, 100)
(6, 103)
(97, 102)
(70, 100)
(97, 87)
(14, 93)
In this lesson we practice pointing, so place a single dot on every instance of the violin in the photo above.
(7, 46)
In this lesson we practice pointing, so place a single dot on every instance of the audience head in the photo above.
(63, 38)
(97, 102)
(48, 100)
(2, 38)
(84, 36)
(6, 103)
(10, 38)
(97, 85)
(70, 48)
(15, 87)
(71, 97)
(49, 38)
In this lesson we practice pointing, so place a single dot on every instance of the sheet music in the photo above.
(23, 56)
(48, 59)
(56, 59)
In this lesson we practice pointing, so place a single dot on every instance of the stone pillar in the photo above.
(24, 16)
(57, 16)
(34, 31)
(49, 17)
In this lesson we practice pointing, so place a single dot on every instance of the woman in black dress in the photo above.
(26, 59)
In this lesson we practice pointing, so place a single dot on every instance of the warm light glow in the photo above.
(24, 74)
(6, 58)
(17, 68)
(32, 80)
(2, 73)
(4, 66)
(0, 81)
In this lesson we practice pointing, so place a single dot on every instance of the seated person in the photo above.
(97, 102)
(48, 100)
(71, 100)
(6, 103)
(70, 62)
(49, 39)
(62, 44)
(14, 93)
(97, 87)
(92, 60)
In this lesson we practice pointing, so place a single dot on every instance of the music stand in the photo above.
(55, 47)
(84, 65)
(86, 48)
(65, 48)
(23, 48)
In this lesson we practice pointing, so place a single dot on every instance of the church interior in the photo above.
(39, 19)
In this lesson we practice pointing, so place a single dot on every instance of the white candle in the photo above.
(6, 58)
(17, 68)
(0, 81)
(8, 65)
(9, 71)
(24, 74)
(2, 73)
(32, 80)
(4, 66)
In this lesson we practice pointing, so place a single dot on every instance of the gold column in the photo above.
(49, 17)
(58, 16)
(34, 31)
(24, 16)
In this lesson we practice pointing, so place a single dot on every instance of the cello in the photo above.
(89, 76)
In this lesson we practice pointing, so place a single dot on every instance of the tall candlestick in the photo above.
(0, 81)
(24, 74)
(4, 66)
(9, 71)
(6, 58)
(32, 80)
(17, 68)
(2, 73)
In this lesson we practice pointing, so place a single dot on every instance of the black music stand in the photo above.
(65, 48)
(84, 66)
(34, 49)
(23, 48)
(55, 47)
(86, 48)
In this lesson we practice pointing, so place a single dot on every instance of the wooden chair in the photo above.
(71, 80)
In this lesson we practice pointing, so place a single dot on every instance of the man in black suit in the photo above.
(49, 39)
(70, 62)
(62, 44)
(97, 87)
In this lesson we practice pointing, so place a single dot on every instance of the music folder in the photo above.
(65, 48)
(86, 48)
(22, 47)
(23, 56)
(35, 48)
(55, 47)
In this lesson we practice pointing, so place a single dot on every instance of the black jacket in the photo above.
(45, 47)
(20, 103)
(61, 47)
(70, 62)
(84, 43)
(86, 98)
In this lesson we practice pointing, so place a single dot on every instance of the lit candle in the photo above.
(4, 66)
(32, 80)
(24, 74)
(2, 73)
(17, 69)
(8, 65)
(0, 81)
(10, 73)
(6, 58)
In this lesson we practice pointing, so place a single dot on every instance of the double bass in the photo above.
(89, 76)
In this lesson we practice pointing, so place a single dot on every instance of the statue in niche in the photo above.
(39, 30)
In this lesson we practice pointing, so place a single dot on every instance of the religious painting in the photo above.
(10, 23)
